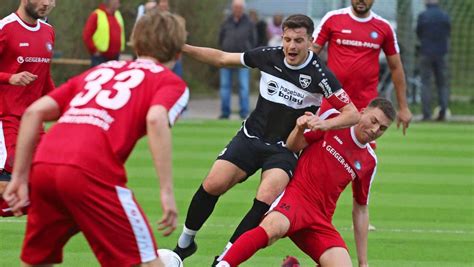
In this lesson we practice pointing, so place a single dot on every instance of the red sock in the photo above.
(246, 245)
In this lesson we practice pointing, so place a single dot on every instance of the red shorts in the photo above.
(8, 134)
(65, 200)
(310, 229)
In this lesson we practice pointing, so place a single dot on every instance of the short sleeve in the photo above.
(257, 57)
(313, 136)
(361, 186)
(173, 94)
(323, 31)
(64, 94)
(390, 43)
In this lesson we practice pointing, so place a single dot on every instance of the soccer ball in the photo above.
(169, 258)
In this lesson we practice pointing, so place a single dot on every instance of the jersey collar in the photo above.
(25, 25)
(354, 138)
(354, 17)
(308, 59)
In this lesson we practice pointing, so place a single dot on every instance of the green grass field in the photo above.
(422, 201)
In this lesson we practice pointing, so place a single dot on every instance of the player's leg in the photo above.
(335, 257)
(440, 69)
(273, 227)
(425, 71)
(49, 224)
(234, 164)
(276, 171)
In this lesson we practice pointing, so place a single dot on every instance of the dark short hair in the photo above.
(385, 105)
(299, 21)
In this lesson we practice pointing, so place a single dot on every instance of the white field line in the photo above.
(345, 229)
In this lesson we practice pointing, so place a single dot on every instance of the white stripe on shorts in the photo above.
(138, 223)
(3, 148)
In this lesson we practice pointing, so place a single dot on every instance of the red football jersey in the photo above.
(24, 47)
(104, 114)
(329, 163)
(354, 46)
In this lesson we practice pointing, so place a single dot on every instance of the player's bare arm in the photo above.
(44, 109)
(360, 218)
(296, 141)
(159, 138)
(404, 115)
(349, 116)
(213, 56)
(22, 79)
(316, 48)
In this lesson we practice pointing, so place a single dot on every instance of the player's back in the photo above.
(104, 113)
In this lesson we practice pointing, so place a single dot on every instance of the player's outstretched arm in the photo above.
(404, 115)
(44, 109)
(213, 56)
(349, 116)
(159, 138)
(360, 218)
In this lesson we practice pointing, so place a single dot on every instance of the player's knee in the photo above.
(335, 257)
(216, 186)
(276, 225)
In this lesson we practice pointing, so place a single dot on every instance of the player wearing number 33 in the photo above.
(77, 179)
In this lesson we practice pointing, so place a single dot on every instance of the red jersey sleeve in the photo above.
(4, 76)
(313, 136)
(63, 94)
(361, 185)
(323, 31)
(89, 29)
(173, 94)
(390, 44)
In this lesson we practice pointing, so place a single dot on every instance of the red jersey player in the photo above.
(329, 162)
(78, 180)
(355, 37)
(26, 49)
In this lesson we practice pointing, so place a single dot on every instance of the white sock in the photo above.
(227, 247)
(186, 237)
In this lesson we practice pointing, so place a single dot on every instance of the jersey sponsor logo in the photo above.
(22, 60)
(343, 96)
(374, 35)
(278, 90)
(347, 31)
(305, 80)
(92, 116)
(332, 151)
(24, 44)
(357, 43)
(272, 87)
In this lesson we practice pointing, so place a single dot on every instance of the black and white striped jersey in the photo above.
(286, 92)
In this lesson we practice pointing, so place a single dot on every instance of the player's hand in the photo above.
(302, 121)
(316, 123)
(22, 79)
(404, 117)
(16, 195)
(168, 221)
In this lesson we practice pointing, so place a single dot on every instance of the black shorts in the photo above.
(252, 154)
(5, 176)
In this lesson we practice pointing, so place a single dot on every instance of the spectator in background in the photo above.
(26, 50)
(274, 30)
(78, 180)
(237, 34)
(104, 33)
(260, 27)
(433, 29)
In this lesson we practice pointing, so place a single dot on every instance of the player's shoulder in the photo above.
(269, 51)
(44, 23)
(337, 13)
(381, 21)
(8, 20)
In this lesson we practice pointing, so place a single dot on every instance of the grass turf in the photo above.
(422, 200)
